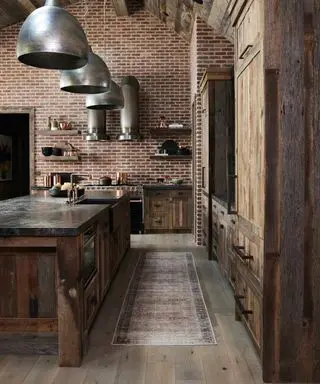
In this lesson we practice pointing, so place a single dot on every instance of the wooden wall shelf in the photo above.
(60, 132)
(61, 158)
(170, 131)
(171, 157)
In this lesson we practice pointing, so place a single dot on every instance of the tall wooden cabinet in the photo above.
(269, 246)
(217, 101)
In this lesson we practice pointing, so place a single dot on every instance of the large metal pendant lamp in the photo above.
(52, 38)
(113, 99)
(94, 77)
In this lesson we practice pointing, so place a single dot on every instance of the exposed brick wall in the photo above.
(206, 49)
(138, 45)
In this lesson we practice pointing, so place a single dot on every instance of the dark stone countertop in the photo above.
(45, 216)
(167, 186)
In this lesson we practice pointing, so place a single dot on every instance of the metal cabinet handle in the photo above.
(246, 50)
(240, 306)
(238, 250)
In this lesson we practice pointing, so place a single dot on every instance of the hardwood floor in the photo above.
(232, 361)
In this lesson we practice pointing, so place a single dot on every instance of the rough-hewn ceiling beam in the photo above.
(121, 7)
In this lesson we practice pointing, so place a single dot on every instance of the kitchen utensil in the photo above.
(170, 147)
(106, 180)
(176, 181)
(47, 151)
(56, 151)
(122, 178)
(57, 179)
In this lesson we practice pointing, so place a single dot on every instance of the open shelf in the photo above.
(170, 131)
(171, 157)
(60, 132)
(61, 158)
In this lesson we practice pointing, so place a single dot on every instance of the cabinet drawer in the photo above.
(156, 193)
(249, 30)
(158, 221)
(90, 302)
(158, 205)
(248, 308)
(181, 194)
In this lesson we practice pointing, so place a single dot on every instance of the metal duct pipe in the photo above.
(96, 125)
(129, 114)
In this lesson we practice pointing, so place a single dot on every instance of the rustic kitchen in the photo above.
(152, 176)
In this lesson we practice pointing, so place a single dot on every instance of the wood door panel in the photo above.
(250, 142)
(249, 30)
(29, 280)
(180, 213)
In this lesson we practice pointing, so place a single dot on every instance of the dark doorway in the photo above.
(15, 130)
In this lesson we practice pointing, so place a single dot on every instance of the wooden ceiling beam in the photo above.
(27, 5)
(121, 7)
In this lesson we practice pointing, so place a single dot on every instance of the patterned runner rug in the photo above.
(164, 304)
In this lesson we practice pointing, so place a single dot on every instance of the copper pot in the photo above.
(122, 178)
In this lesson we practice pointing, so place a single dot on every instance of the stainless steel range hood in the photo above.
(129, 114)
(96, 125)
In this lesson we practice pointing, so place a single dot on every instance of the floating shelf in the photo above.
(171, 157)
(61, 158)
(60, 132)
(170, 131)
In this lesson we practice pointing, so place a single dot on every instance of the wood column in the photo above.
(291, 310)
(69, 301)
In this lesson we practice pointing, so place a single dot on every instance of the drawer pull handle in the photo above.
(238, 249)
(240, 306)
(157, 205)
(246, 50)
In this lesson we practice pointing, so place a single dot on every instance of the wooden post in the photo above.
(69, 301)
(292, 187)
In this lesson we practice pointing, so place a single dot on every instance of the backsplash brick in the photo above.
(139, 45)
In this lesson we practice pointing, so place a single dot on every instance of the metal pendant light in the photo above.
(52, 38)
(94, 77)
(113, 99)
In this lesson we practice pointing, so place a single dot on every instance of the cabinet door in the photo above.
(205, 137)
(105, 260)
(250, 142)
(180, 213)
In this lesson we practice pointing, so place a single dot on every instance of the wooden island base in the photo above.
(47, 303)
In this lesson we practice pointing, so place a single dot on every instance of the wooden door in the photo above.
(250, 142)
(180, 213)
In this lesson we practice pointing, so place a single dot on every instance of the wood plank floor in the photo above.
(232, 361)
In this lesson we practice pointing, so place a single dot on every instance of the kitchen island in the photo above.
(56, 264)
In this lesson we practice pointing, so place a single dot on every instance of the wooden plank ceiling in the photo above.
(179, 15)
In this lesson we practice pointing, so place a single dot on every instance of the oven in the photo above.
(89, 263)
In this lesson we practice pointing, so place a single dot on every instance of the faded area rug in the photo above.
(164, 304)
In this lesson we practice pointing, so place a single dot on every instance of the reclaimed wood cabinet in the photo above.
(168, 211)
(270, 253)
(217, 105)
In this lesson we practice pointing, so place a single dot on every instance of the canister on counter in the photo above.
(56, 179)
(47, 181)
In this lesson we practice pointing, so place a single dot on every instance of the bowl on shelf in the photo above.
(176, 181)
(47, 151)
(57, 151)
